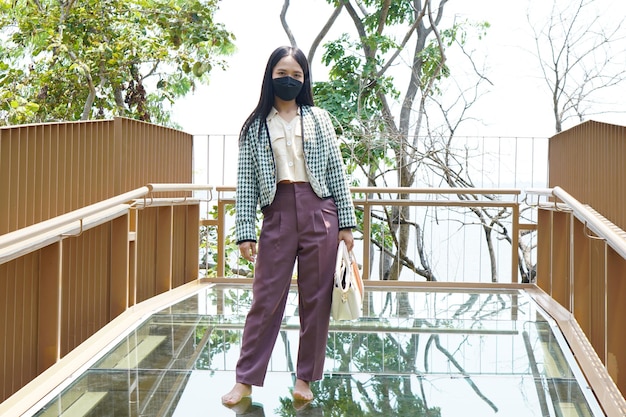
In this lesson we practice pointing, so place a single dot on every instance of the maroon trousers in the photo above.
(297, 224)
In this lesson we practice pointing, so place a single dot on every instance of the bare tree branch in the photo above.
(283, 20)
(323, 32)
(418, 18)
(383, 16)
(575, 59)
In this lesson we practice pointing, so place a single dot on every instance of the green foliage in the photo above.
(358, 82)
(431, 54)
(87, 59)
(400, 12)
(381, 119)
(219, 342)
(373, 354)
(351, 94)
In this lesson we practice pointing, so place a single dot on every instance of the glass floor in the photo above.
(414, 353)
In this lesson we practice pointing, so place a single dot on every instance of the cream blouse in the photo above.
(286, 139)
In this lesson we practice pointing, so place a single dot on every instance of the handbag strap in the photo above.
(343, 274)
(339, 258)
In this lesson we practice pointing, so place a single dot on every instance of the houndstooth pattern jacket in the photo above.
(256, 172)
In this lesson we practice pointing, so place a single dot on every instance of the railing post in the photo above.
(596, 321)
(615, 335)
(119, 272)
(367, 233)
(164, 249)
(515, 244)
(545, 231)
(580, 291)
(221, 236)
(192, 236)
(560, 258)
(50, 304)
(132, 256)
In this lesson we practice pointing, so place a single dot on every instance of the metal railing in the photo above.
(367, 199)
(172, 230)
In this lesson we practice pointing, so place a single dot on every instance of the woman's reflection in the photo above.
(309, 411)
(246, 408)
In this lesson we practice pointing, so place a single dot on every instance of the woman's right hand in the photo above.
(248, 250)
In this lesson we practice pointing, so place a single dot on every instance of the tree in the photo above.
(379, 371)
(87, 59)
(399, 59)
(574, 50)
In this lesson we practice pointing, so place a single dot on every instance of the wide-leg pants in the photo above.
(297, 224)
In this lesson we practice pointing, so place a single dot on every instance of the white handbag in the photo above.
(347, 302)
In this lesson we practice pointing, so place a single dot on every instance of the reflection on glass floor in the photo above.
(415, 353)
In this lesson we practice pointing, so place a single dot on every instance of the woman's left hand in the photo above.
(348, 239)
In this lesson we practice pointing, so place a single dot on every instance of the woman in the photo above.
(290, 165)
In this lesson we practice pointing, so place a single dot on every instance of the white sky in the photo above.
(518, 103)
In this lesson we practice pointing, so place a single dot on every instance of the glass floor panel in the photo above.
(414, 353)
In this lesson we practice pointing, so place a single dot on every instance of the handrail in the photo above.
(368, 202)
(409, 190)
(593, 222)
(546, 192)
(539, 192)
(161, 202)
(445, 190)
(180, 187)
(39, 240)
(67, 218)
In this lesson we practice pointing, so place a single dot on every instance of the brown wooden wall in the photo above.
(53, 299)
(18, 347)
(50, 169)
(589, 162)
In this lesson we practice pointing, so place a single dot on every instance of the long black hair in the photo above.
(266, 101)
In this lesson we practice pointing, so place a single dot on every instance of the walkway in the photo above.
(415, 353)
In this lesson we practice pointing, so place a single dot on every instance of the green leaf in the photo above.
(197, 69)
(32, 107)
(61, 48)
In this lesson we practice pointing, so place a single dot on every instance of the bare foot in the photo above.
(241, 407)
(238, 392)
(302, 391)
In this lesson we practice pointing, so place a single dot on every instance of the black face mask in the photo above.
(286, 88)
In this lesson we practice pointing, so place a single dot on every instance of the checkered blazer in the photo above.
(256, 172)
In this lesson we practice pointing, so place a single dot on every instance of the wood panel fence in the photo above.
(589, 161)
(50, 169)
(584, 273)
(55, 297)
